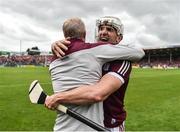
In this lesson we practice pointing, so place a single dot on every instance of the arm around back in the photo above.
(88, 93)
(105, 87)
(106, 53)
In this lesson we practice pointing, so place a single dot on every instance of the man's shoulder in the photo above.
(96, 44)
(116, 65)
(78, 45)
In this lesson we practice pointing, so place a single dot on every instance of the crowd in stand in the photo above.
(16, 60)
(44, 60)
(159, 63)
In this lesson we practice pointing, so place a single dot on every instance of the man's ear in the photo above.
(119, 38)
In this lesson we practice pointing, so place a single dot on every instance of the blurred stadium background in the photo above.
(152, 99)
(158, 58)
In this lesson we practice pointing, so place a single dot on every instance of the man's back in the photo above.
(79, 67)
(76, 69)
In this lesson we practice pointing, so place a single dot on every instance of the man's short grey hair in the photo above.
(74, 28)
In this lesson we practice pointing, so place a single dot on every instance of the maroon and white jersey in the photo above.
(114, 112)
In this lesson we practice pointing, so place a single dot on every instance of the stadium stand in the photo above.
(25, 60)
(160, 58)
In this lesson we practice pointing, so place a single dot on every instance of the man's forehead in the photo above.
(107, 26)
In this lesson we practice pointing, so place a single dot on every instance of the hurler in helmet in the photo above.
(110, 29)
(110, 21)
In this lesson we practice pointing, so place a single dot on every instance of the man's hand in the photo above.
(59, 47)
(51, 102)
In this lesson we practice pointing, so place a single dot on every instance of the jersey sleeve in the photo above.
(121, 70)
(109, 52)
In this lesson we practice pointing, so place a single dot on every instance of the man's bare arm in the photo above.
(86, 94)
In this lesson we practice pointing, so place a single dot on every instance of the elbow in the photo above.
(96, 97)
(139, 55)
(99, 98)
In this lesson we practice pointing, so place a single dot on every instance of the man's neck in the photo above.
(77, 39)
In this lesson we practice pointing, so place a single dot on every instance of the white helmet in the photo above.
(112, 21)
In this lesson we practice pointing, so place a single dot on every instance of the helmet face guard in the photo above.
(110, 21)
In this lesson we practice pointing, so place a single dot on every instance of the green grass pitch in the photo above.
(152, 100)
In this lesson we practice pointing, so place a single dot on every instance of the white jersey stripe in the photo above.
(126, 68)
(121, 66)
